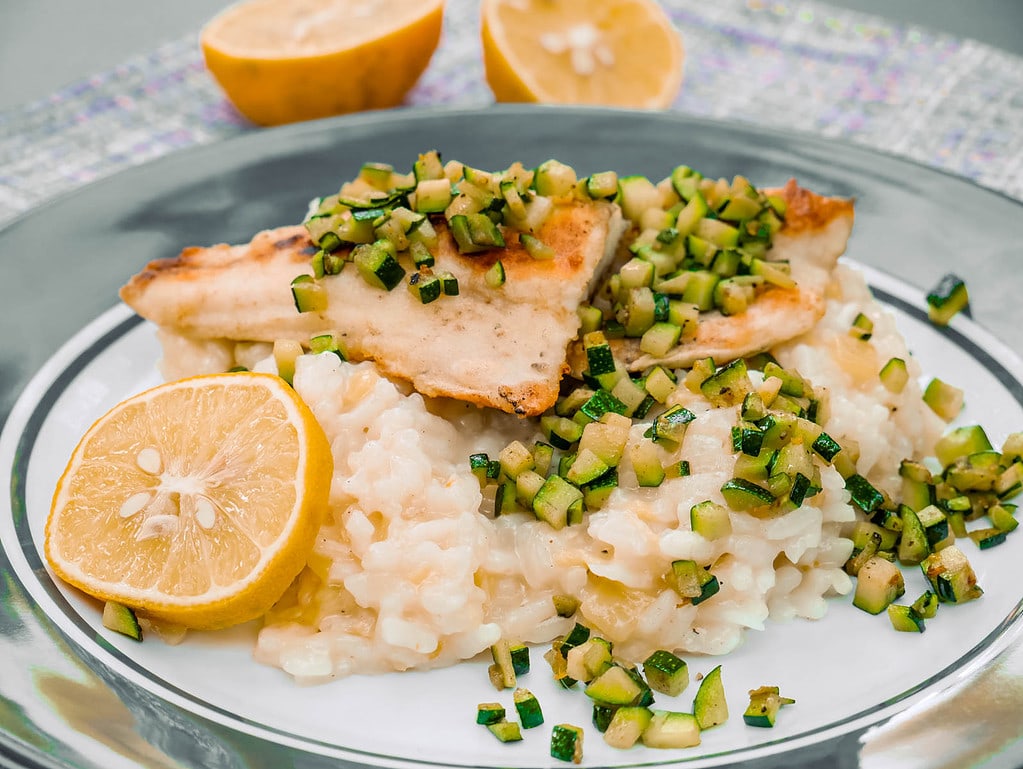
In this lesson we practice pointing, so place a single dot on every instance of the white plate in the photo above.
(74, 697)
(844, 671)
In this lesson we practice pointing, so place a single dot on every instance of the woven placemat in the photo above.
(950, 103)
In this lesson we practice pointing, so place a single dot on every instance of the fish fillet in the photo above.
(503, 347)
(812, 239)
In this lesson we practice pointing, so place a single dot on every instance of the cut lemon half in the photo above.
(196, 502)
(282, 62)
(622, 53)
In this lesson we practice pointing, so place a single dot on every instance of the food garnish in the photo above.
(623, 53)
(286, 62)
(205, 526)
(764, 704)
(947, 299)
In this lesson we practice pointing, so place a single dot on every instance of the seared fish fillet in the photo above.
(500, 347)
(814, 236)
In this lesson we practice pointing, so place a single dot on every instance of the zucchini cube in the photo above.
(666, 673)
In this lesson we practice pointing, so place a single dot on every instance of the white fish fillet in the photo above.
(812, 239)
(500, 347)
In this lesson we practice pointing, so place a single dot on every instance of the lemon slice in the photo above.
(196, 502)
(622, 53)
(282, 62)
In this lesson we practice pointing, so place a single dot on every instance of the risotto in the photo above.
(413, 570)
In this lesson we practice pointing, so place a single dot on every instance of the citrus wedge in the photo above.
(282, 62)
(622, 53)
(196, 502)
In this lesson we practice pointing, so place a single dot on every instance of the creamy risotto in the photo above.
(412, 571)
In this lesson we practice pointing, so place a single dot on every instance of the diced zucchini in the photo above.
(554, 179)
(286, 354)
(637, 312)
(501, 652)
(570, 403)
(527, 483)
(660, 384)
(692, 581)
(579, 634)
(646, 462)
(863, 493)
(660, 339)
(710, 520)
(626, 726)
(764, 704)
(670, 426)
(633, 396)
(636, 273)
(506, 499)
(1002, 518)
(561, 432)
(377, 263)
(433, 195)
(894, 375)
(728, 385)
(489, 713)
(878, 584)
(519, 657)
(699, 290)
(589, 659)
(481, 467)
(495, 276)
(944, 399)
(586, 468)
(428, 166)
(121, 619)
(528, 708)
(308, 294)
(515, 458)
(961, 442)
(327, 342)
(606, 438)
(553, 500)
(448, 283)
(615, 687)
(926, 606)
(602, 715)
(710, 705)
(913, 544)
(742, 495)
(668, 729)
(987, 538)
(505, 731)
(905, 619)
(536, 248)
(602, 186)
(951, 576)
(756, 469)
(826, 447)
(425, 286)
(862, 327)
(935, 523)
(565, 605)
(747, 439)
(946, 299)
(567, 743)
(666, 673)
(559, 665)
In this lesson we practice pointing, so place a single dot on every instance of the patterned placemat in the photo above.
(946, 102)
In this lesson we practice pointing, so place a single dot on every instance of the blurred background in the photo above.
(47, 45)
